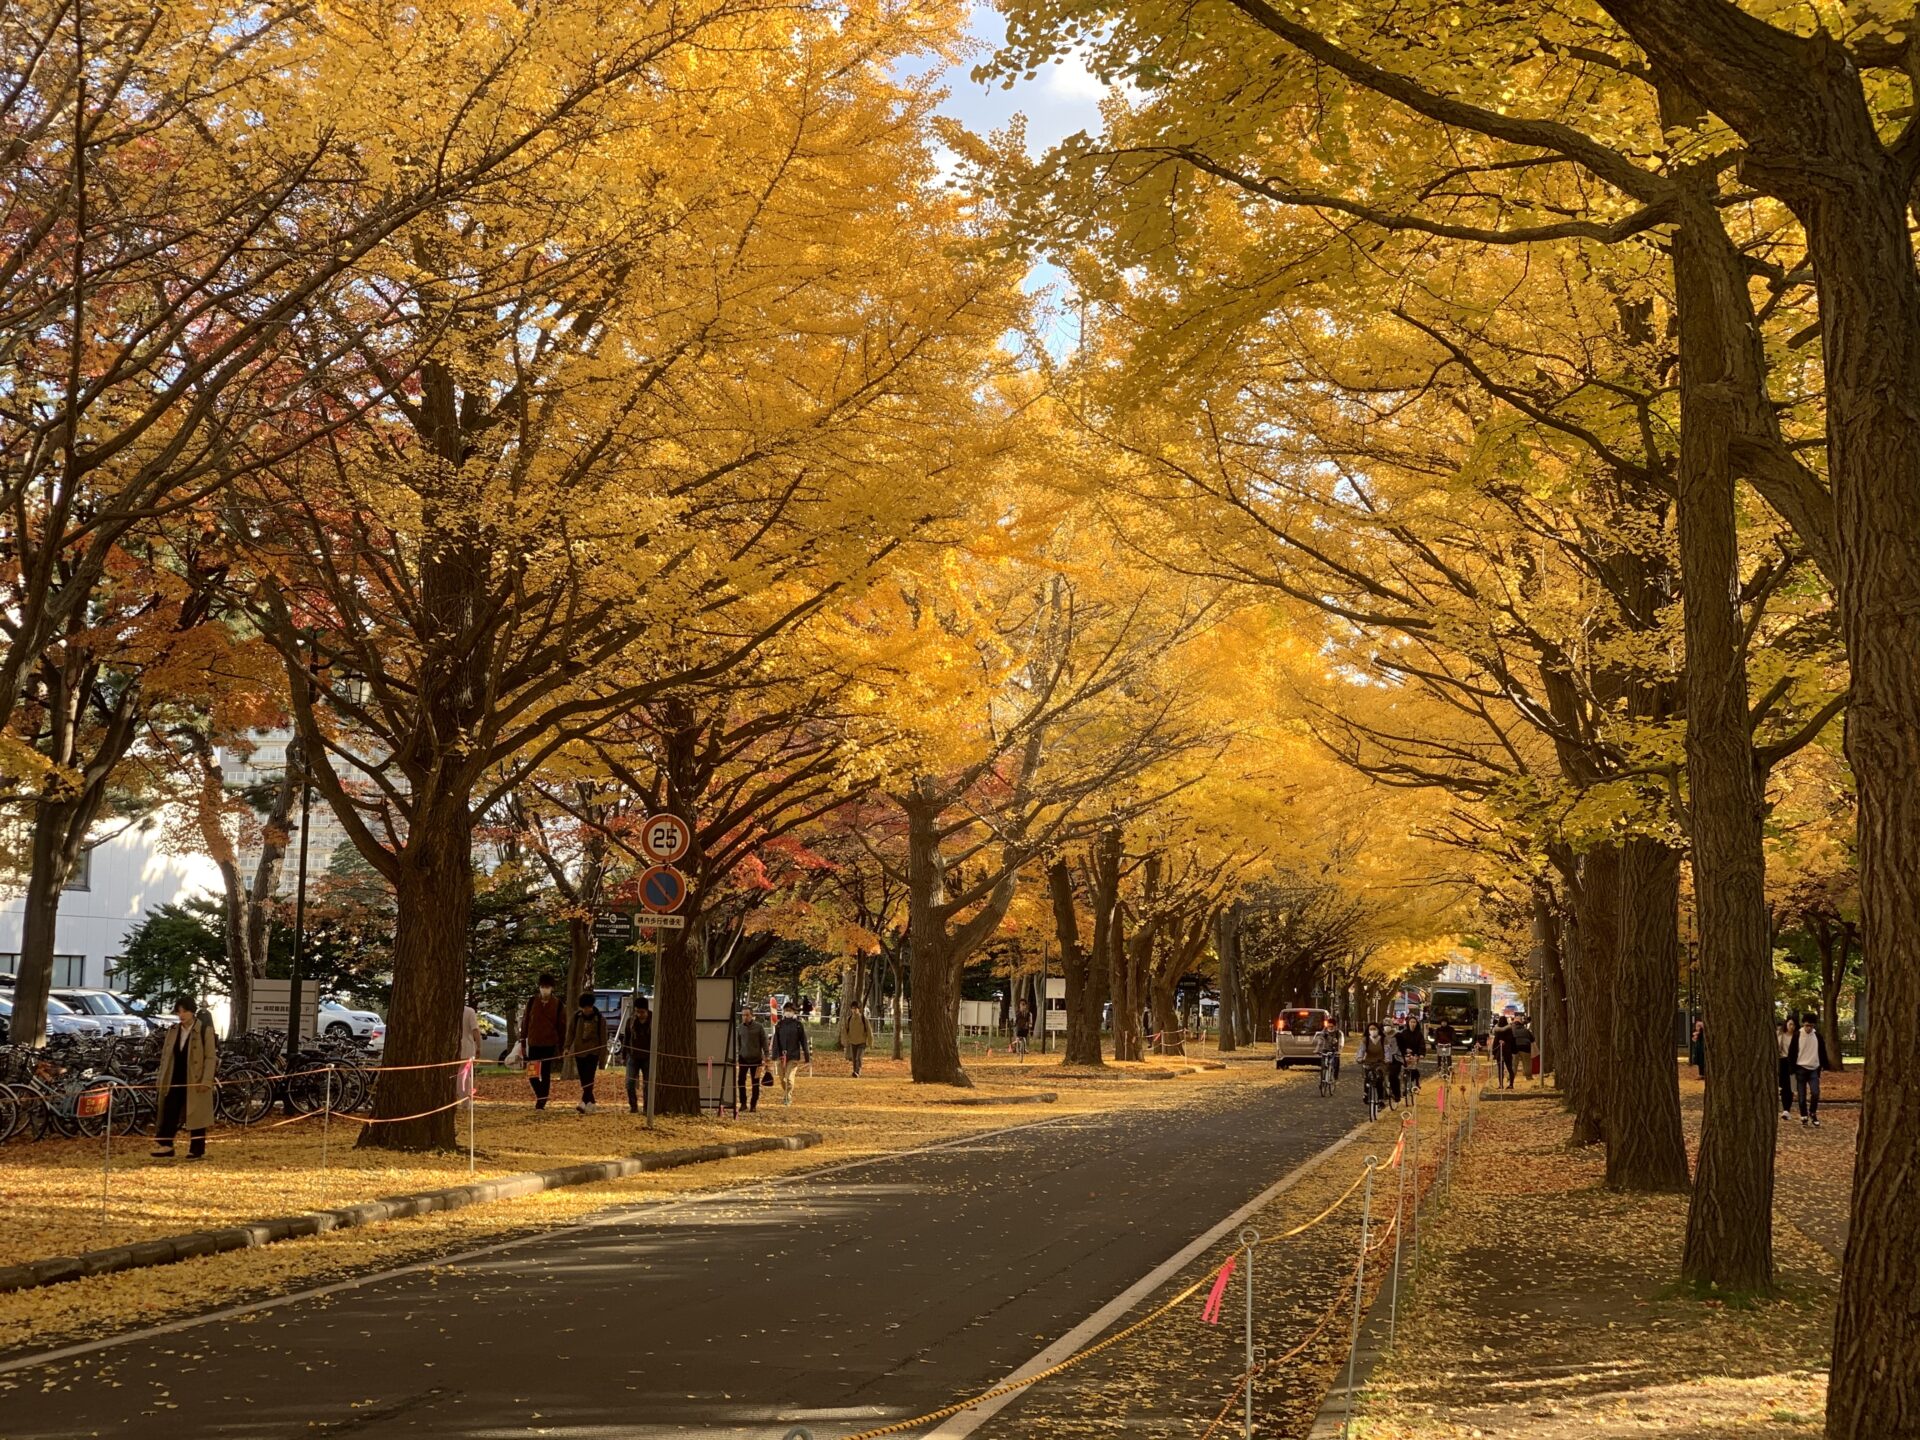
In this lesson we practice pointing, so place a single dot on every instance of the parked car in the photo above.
(493, 1035)
(157, 1015)
(1296, 1034)
(338, 1021)
(104, 1008)
(60, 1020)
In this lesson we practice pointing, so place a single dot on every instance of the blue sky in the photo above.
(1061, 100)
(1057, 102)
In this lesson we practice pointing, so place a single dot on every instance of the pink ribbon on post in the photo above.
(1210, 1313)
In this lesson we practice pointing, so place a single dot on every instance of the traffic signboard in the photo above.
(665, 838)
(663, 889)
(612, 925)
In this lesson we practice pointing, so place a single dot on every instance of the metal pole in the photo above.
(653, 1031)
(1359, 1284)
(1399, 1234)
(299, 913)
(1043, 993)
(473, 1084)
(106, 1164)
(1249, 1237)
(326, 1114)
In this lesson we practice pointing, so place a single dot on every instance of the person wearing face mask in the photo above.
(1372, 1056)
(543, 1030)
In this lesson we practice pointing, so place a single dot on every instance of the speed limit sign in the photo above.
(665, 838)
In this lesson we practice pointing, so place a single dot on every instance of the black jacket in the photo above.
(790, 1040)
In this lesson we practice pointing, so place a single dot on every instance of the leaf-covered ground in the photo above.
(1546, 1306)
(52, 1192)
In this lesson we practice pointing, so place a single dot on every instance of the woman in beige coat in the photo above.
(189, 1058)
(856, 1034)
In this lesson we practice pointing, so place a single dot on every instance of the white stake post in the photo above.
(1359, 1287)
(1249, 1237)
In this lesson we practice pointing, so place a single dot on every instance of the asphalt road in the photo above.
(838, 1301)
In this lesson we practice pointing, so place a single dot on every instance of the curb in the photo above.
(56, 1270)
(1043, 1097)
(1330, 1421)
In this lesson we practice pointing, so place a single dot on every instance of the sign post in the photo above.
(663, 890)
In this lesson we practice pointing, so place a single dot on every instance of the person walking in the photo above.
(543, 1031)
(189, 1059)
(469, 1046)
(1396, 1058)
(749, 1055)
(790, 1051)
(587, 1044)
(855, 1035)
(1697, 1048)
(1523, 1045)
(636, 1047)
(1784, 1041)
(1022, 1030)
(1502, 1048)
(1809, 1059)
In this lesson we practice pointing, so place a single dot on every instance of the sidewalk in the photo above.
(1545, 1308)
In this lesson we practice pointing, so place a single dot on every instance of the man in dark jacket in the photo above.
(636, 1046)
(790, 1051)
(750, 1054)
(543, 1031)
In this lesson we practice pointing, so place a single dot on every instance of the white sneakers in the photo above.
(587, 1109)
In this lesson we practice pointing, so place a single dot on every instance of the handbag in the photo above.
(515, 1055)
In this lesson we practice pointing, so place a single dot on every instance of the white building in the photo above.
(261, 765)
(117, 883)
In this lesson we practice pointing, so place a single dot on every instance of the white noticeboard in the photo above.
(270, 999)
(713, 1012)
(979, 1014)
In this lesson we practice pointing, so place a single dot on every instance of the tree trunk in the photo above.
(1591, 959)
(1813, 140)
(1076, 965)
(899, 987)
(935, 965)
(1550, 1015)
(1730, 1220)
(433, 895)
(233, 917)
(675, 1011)
(1646, 1149)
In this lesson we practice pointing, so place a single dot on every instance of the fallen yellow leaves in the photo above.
(1545, 1309)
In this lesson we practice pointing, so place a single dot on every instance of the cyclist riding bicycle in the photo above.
(1372, 1056)
(1411, 1045)
(1444, 1039)
(1327, 1044)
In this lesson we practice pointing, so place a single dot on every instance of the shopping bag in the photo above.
(513, 1056)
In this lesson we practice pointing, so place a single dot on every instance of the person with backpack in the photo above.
(587, 1044)
(1501, 1047)
(1523, 1045)
(543, 1034)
